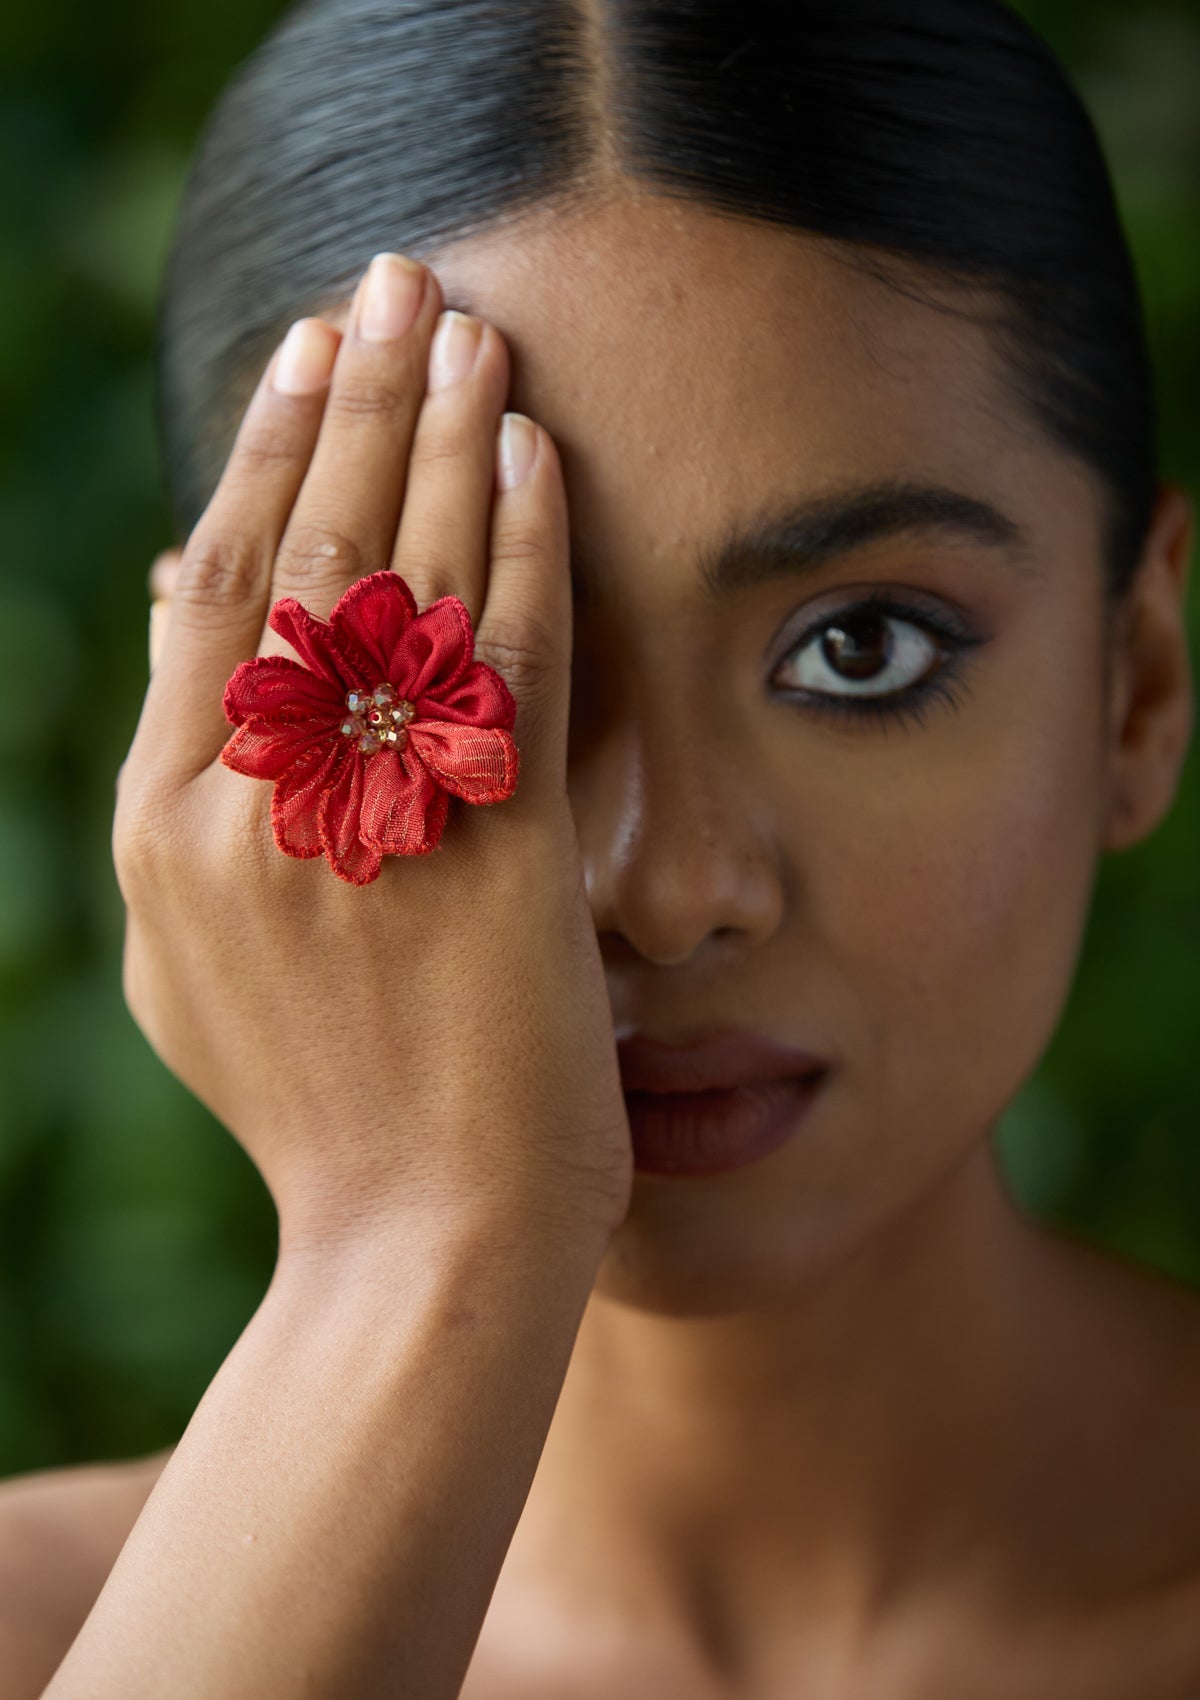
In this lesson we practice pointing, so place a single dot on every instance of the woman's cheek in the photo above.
(962, 919)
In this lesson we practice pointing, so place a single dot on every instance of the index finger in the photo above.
(219, 603)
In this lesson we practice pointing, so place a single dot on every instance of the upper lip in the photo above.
(717, 1062)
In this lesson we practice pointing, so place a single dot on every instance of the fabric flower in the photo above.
(388, 716)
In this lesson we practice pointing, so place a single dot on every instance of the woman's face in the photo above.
(903, 897)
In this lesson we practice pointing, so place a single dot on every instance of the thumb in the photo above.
(161, 582)
(162, 575)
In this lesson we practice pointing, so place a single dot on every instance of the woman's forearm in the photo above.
(335, 1517)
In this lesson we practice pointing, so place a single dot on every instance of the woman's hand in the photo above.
(423, 1067)
(440, 1041)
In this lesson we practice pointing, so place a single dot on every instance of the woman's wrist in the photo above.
(386, 1408)
(430, 1251)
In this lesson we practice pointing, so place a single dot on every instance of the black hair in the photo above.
(943, 132)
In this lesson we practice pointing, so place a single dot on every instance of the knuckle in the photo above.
(444, 447)
(143, 812)
(124, 780)
(314, 552)
(519, 546)
(423, 550)
(360, 400)
(136, 843)
(263, 451)
(132, 981)
(217, 571)
(170, 847)
(522, 653)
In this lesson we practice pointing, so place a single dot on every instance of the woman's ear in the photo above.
(1152, 705)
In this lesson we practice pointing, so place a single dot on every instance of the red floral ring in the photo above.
(388, 717)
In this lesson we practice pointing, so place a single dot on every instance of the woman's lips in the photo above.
(716, 1105)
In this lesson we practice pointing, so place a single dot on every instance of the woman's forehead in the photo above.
(698, 295)
(691, 366)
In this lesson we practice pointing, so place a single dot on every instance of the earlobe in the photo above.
(1151, 692)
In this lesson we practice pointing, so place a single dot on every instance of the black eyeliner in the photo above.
(903, 706)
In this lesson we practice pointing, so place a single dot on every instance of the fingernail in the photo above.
(518, 449)
(305, 362)
(391, 297)
(455, 345)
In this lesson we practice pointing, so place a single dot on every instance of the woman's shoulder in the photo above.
(60, 1533)
(1131, 1353)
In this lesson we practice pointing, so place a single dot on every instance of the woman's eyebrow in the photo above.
(800, 537)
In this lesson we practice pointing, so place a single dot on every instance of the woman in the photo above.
(649, 1319)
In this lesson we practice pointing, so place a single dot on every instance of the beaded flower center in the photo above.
(377, 719)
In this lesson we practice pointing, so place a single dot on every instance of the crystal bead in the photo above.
(378, 719)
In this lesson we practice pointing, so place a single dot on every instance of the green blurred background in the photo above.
(135, 1239)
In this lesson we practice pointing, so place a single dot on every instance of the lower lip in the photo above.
(711, 1133)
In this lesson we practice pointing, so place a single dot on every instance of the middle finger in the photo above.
(343, 525)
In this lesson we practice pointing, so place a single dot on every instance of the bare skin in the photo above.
(842, 1423)
(61, 1533)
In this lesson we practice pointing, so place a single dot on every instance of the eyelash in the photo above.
(903, 707)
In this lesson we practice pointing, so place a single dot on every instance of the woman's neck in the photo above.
(936, 1414)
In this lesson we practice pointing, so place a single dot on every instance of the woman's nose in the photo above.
(676, 843)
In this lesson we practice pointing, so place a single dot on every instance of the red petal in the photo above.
(317, 646)
(297, 800)
(338, 818)
(274, 688)
(434, 651)
(403, 810)
(477, 763)
(372, 616)
(267, 750)
(479, 698)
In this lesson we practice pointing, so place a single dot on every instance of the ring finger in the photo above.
(442, 549)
